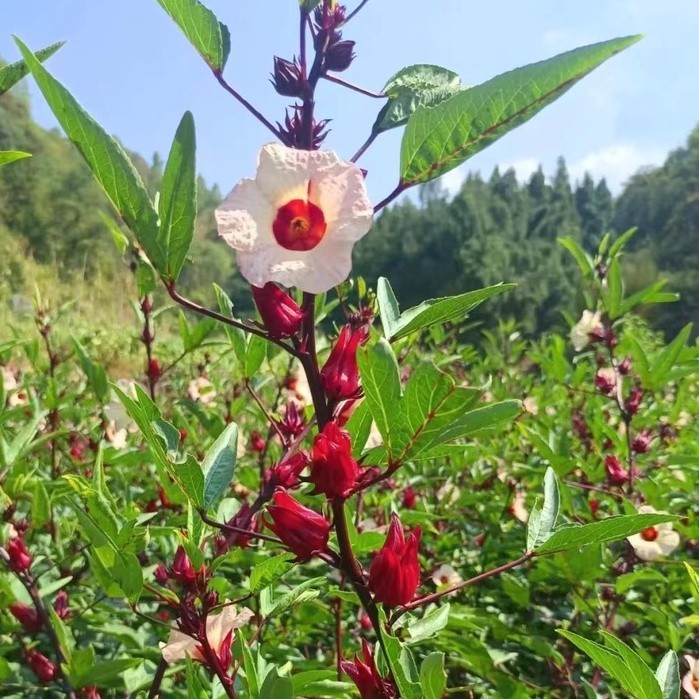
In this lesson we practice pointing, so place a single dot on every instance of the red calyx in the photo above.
(333, 470)
(280, 314)
(394, 575)
(303, 531)
(340, 374)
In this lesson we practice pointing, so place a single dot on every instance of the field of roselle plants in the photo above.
(340, 497)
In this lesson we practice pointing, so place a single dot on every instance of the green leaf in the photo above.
(96, 375)
(668, 676)
(307, 590)
(254, 355)
(541, 522)
(438, 139)
(381, 383)
(163, 440)
(667, 358)
(412, 87)
(619, 244)
(585, 262)
(694, 583)
(9, 156)
(608, 529)
(621, 663)
(109, 163)
(651, 294)
(434, 621)
(431, 312)
(615, 289)
(250, 667)
(402, 666)
(177, 206)
(433, 678)
(276, 687)
(208, 36)
(219, 464)
(269, 570)
(320, 683)
(388, 306)
(432, 403)
(11, 74)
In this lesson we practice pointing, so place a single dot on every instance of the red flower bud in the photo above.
(20, 558)
(286, 78)
(333, 470)
(280, 314)
(339, 55)
(580, 426)
(90, 693)
(160, 574)
(616, 473)
(594, 506)
(394, 574)
(641, 442)
(605, 381)
(409, 498)
(182, 569)
(257, 443)
(41, 666)
(625, 366)
(60, 605)
(633, 402)
(155, 370)
(303, 531)
(27, 616)
(366, 677)
(286, 473)
(292, 424)
(340, 375)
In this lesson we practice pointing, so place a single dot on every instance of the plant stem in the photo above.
(427, 599)
(232, 91)
(400, 188)
(352, 86)
(30, 586)
(201, 310)
(363, 148)
(355, 11)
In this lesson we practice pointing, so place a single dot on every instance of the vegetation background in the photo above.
(52, 235)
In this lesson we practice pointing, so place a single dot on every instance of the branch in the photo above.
(228, 88)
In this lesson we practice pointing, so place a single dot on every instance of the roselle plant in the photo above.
(356, 544)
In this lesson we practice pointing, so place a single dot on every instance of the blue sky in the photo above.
(132, 69)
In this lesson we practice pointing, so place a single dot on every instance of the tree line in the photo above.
(491, 230)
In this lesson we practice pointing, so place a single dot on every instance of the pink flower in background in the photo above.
(297, 221)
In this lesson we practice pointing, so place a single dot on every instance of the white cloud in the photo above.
(453, 180)
(524, 167)
(616, 162)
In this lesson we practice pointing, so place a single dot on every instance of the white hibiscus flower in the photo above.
(690, 680)
(297, 221)
(580, 333)
(653, 542)
(218, 627)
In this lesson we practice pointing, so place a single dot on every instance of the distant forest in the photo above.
(499, 229)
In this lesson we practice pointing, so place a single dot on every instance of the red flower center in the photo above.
(299, 225)
(649, 534)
